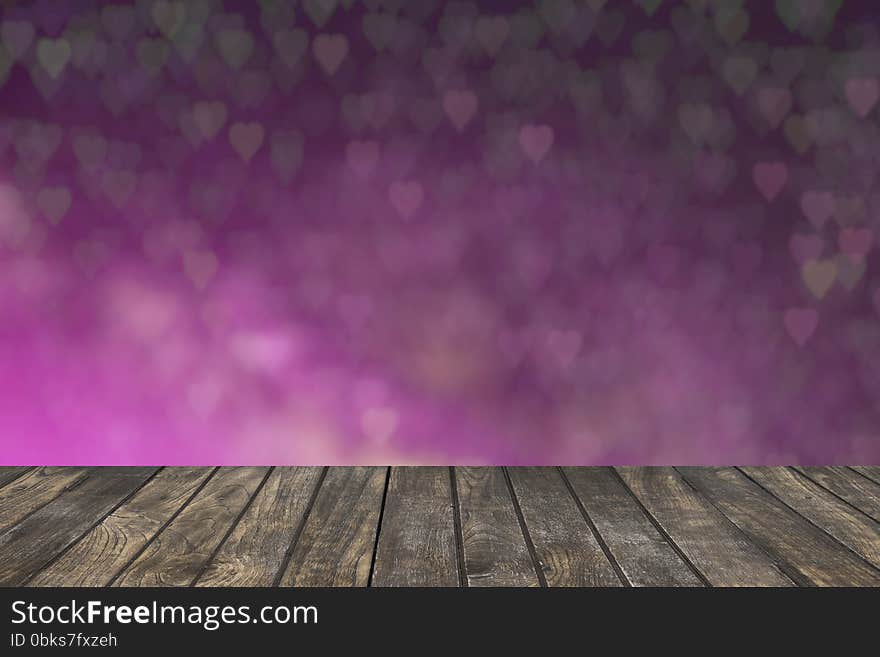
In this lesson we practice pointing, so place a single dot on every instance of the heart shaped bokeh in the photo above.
(373, 231)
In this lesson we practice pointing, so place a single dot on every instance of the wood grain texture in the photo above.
(34, 489)
(849, 526)
(108, 547)
(257, 547)
(565, 546)
(779, 531)
(643, 554)
(11, 473)
(849, 485)
(495, 551)
(35, 541)
(715, 546)
(872, 472)
(336, 544)
(417, 539)
(355, 526)
(177, 554)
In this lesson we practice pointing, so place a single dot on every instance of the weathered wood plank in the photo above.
(257, 547)
(714, 545)
(495, 551)
(752, 526)
(35, 541)
(872, 472)
(337, 541)
(811, 553)
(849, 526)
(109, 546)
(643, 554)
(11, 473)
(417, 538)
(859, 491)
(176, 555)
(565, 546)
(34, 489)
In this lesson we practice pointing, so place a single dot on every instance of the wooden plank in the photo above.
(35, 541)
(859, 491)
(715, 546)
(872, 472)
(417, 538)
(256, 549)
(643, 554)
(495, 551)
(848, 525)
(109, 546)
(177, 554)
(11, 473)
(34, 489)
(810, 554)
(567, 550)
(337, 541)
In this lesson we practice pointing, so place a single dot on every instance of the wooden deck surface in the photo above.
(439, 526)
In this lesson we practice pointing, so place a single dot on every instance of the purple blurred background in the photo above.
(344, 231)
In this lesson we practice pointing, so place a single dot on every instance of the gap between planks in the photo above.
(821, 529)
(779, 560)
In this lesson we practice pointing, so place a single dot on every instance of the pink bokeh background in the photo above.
(434, 252)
